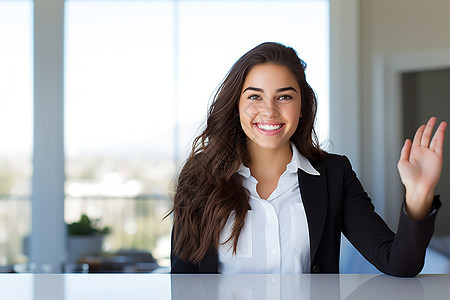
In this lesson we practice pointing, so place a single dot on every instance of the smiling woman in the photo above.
(258, 195)
(211, 188)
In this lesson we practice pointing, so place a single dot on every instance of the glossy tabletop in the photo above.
(238, 286)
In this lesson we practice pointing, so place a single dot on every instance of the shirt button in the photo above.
(274, 251)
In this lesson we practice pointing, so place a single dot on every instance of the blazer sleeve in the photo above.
(400, 254)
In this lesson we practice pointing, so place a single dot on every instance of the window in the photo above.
(16, 119)
(120, 118)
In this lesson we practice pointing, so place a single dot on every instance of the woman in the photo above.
(258, 195)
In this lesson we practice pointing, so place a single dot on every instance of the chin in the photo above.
(270, 145)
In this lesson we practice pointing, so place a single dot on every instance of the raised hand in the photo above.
(420, 167)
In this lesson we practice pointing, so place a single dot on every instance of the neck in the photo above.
(269, 163)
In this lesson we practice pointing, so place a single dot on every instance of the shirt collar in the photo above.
(244, 171)
(298, 161)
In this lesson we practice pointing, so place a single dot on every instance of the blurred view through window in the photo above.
(120, 119)
(16, 103)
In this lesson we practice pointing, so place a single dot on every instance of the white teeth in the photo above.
(269, 127)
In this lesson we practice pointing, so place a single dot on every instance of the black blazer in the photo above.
(336, 202)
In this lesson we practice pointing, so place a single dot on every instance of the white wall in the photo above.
(345, 129)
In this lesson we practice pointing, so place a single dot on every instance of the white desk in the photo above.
(239, 287)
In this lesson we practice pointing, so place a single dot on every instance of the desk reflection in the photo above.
(387, 287)
(255, 286)
(304, 286)
(221, 287)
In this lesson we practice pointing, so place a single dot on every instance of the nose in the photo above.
(269, 109)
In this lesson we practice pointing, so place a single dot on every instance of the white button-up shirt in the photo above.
(275, 236)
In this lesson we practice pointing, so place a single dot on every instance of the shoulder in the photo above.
(337, 170)
(335, 167)
(332, 161)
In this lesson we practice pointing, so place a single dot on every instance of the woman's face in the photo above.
(270, 105)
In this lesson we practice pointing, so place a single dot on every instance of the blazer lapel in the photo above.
(313, 189)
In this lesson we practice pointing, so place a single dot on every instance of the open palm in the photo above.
(420, 163)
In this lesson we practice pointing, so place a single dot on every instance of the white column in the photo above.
(345, 109)
(48, 229)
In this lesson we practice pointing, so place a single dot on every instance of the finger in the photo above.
(426, 136)
(437, 143)
(404, 155)
(418, 136)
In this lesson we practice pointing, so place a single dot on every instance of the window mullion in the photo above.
(48, 228)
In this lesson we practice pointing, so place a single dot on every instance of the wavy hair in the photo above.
(209, 187)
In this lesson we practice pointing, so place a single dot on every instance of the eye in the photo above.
(254, 97)
(285, 97)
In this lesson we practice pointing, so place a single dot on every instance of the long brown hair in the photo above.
(209, 187)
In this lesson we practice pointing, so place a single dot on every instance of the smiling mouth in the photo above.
(269, 127)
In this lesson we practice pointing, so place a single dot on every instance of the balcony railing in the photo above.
(136, 223)
(15, 218)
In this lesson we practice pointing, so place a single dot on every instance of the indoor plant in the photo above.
(85, 238)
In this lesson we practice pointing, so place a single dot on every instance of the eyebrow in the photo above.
(288, 88)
